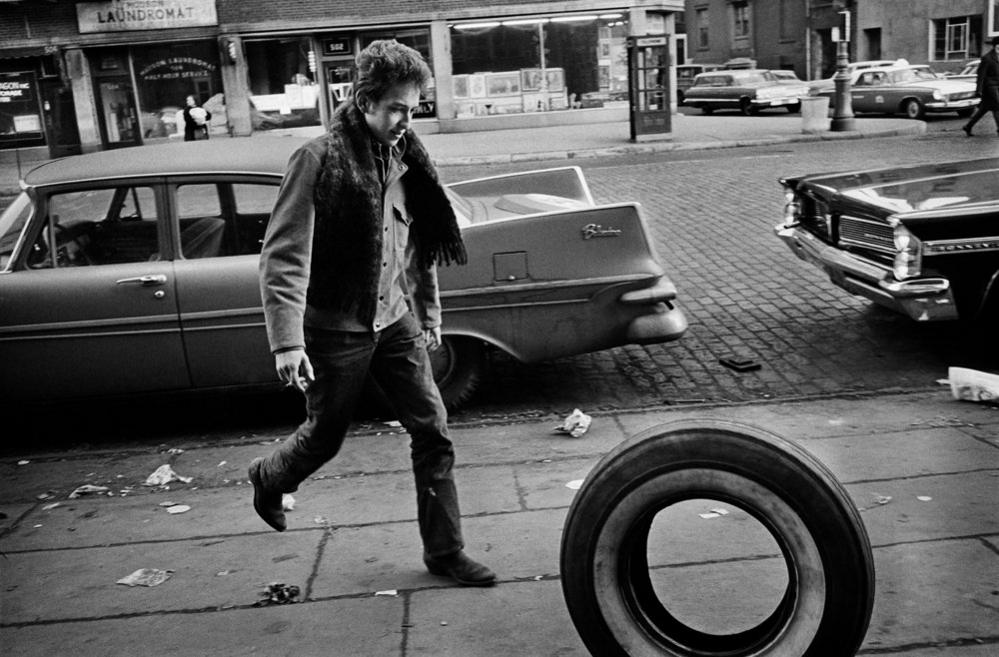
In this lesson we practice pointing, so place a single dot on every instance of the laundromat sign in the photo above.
(128, 15)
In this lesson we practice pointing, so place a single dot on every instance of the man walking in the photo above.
(349, 283)
(987, 87)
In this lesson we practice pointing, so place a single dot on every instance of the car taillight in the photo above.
(792, 207)
(909, 254)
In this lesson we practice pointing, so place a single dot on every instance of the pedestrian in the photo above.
(349, 285)
(987, 87)
(196, 120)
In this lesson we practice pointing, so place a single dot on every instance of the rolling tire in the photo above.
(913, 109)
(458, 366)
(826, 607)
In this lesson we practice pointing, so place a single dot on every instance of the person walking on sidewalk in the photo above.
(196, 120)
(349, 284)
(987, 87)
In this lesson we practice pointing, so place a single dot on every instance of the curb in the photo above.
(915, 130)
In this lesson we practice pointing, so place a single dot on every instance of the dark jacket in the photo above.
(193, 131)
(988, 80)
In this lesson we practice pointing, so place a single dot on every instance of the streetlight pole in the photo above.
(842, 119)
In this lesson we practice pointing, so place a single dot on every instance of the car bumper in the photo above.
(663, 321)
(950, 106)
(776, 102)
(922, 299)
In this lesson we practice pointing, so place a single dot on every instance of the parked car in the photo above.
(910, 90)
(969, 72)
(135, 271)
(921, 240)
(786, 77)
(829, 83)
(747, 90)
(685, 74)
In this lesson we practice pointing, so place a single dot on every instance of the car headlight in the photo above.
(938, 95)
(909, 254)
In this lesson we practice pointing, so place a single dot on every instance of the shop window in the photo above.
(539, 64)
(20, 120)
(418, 40)
(956, 38)
(283, 88)
(166, 75)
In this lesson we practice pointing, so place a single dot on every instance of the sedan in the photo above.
(135, 271)
(747, 90)
(910, 90)
(920, 240)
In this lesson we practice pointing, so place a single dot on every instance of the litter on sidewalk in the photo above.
(973, 385)
(164, 475)
(146, 577)
(575, 424)
(89, 489)
(278, 593)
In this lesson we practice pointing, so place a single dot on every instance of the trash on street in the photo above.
(178, 508)
(88, 489)
(164, 475)
(575, 424)
(973, 385)
(146, 577)
(277, 593)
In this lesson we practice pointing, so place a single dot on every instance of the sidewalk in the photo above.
(923, 469)
(690, 132)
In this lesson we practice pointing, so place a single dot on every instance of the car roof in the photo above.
(243, 155)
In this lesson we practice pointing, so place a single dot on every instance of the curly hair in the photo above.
(386, 63)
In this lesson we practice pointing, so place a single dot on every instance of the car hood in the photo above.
(911, 189)
(946, 86)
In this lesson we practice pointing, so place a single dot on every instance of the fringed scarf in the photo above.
(347, 243)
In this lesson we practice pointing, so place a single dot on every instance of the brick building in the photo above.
(81, 76)
(798, 34)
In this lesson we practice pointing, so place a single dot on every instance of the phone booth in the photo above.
(648, 81)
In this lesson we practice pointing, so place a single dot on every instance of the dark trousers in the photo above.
(981, 111)
(397, 358)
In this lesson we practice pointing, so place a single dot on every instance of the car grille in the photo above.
(962, 95)
(815, 216)
(866, 234)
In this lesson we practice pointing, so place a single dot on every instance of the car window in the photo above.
(12, 223)
(82, 228)
(223, 219)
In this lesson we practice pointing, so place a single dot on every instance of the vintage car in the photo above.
(921, 240)
(746, 90)
(969, 72)
(910, 90)
(685, 74)
(829, 83)
(135, 271)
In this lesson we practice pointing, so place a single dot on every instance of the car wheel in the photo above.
(966, 112)
(794, 109)
(707, 109)
(458, 365)
(913, 109)
(746, 107)
(614, 590)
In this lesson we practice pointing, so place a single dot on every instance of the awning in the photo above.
(22, 52)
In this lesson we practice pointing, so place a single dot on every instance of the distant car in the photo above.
(786, 77)
(969, 72)
(921, 240)
(747, 90)
(910, 90)
(135, 271)
(828, 84)
(685, 74)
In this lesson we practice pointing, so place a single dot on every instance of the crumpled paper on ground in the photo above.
(88, 489)
(575, 424)
(146, 577)
(164, 475)
(972, 385)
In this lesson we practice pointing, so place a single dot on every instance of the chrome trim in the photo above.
(971, 244)
(94, 324)
(876, 242)
(545, 285)
(915, 288)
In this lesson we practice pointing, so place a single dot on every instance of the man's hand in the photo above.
(294, 368)
(433, 338)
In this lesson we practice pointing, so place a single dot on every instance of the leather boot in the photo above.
(266, 502)
(461, 568)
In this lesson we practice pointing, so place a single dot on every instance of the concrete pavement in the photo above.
(923, 468)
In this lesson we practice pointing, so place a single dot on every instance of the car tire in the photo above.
(826, 607)
(913, 109)
(458, 366)
(966, 112)
(746, 107)
(707, 109)
(794, 109)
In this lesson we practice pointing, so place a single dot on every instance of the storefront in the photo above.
(36, 107)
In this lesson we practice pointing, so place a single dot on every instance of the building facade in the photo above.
(81, 76)
(799, 34)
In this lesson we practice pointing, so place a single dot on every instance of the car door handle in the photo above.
(147, 280)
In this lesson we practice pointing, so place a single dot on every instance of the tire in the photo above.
(826, 606)
(458, 366)
(966, 112)
(913, 109)
(707, 109)
(794, 109)
(746, 107)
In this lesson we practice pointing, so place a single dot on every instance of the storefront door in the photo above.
(58, 111)
(118, 118)
(339, 81)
